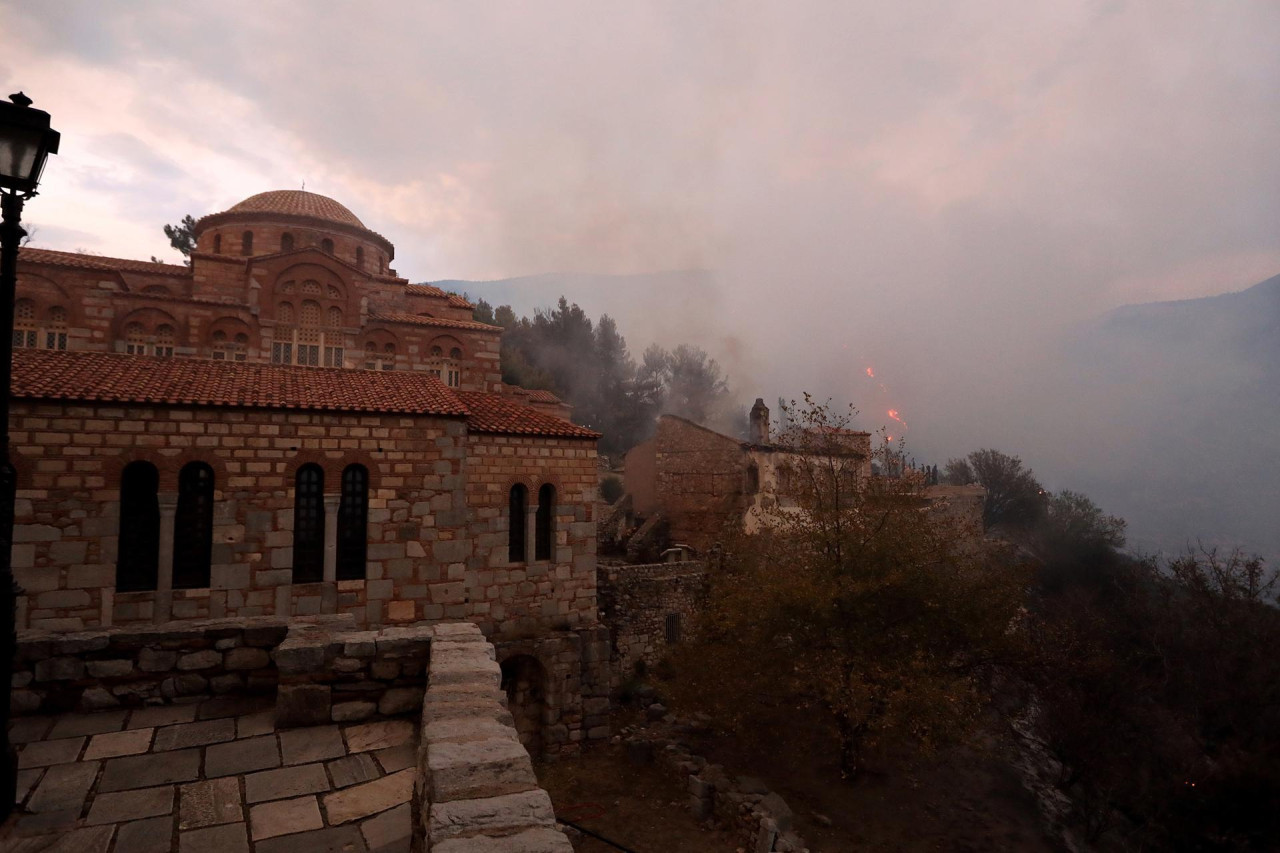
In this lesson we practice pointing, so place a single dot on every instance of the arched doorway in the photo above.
(524, 680)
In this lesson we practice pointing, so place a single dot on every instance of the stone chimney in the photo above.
(759, 431)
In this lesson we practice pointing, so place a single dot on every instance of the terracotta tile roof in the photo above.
(297, 203)
(416, 320)
(498, 413)
(97, 262)
(118, 378)
(425, 289)
(541, 396)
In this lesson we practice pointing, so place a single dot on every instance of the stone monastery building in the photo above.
(285, 428)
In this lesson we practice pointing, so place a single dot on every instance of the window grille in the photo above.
(193, 527)
(544, 532)
(673, 628)
(308, 525)
(516, 502)
(353, 523)
(138, 545)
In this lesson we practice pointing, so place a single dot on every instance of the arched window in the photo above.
(753, 479)
(308, 524)
(446, 369)
(360, 257)
(228, 349)
(315, 338)
(164, 340)
(193, 527)
(309, 333)
(24, 324)
(286, 242)
(544, 524)
(353, 523)
(55, 332)
(455, 354)
(217, 244)
(138, 546)
(326, 246)
(246, 243)
(135, 339)
(516, 503)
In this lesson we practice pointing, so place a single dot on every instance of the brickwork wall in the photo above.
(636, 602)
(437, 517)
(238, 295)
(516, 598)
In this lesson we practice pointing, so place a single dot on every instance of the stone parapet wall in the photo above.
(337, 675)
(638, 603)
(477, 788)
(321, 669)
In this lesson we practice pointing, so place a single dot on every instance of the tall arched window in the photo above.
(316, 338)
(360, 257)
(286, 242)
(308, 524)
(24, 324)
(138, 547)
(326, 246)
(544, 525)
(246, 243)
(309, 333)
(353, 523)
(193, 527)
(518, 499)
(217, 244)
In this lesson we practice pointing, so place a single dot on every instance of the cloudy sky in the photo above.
(937, 187)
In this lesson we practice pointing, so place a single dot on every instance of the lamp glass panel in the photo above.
(19, 147)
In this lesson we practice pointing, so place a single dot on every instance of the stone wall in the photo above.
(565, 697)
(437, 522)
(476, 784)
(161, 664)
(330, 673)
(520, 598)
(638, 603)
(700, 476)
(760, 818)
(321, 670)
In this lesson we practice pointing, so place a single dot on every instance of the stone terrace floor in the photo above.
(214, 777)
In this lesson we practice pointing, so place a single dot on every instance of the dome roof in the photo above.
(297, 203)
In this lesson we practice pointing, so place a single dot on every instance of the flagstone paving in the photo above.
(213, 777)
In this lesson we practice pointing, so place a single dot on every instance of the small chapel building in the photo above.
(285, 427)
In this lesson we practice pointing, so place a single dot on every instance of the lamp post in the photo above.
(26, 140)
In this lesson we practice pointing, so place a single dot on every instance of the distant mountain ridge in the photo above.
(1191, 395)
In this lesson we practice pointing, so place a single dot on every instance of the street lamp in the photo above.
(26, 141)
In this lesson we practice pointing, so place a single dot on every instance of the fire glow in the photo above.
(892, 413)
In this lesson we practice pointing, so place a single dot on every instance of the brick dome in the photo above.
(297, 203)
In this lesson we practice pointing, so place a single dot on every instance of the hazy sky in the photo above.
(938, 188)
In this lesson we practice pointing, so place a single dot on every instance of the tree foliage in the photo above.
(589, 365)
(1015, 499)
(1159, 689)
(855, 602)
(182, 236)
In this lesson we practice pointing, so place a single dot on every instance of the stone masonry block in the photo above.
(473, 769)
(502, 815)
(540, 839)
